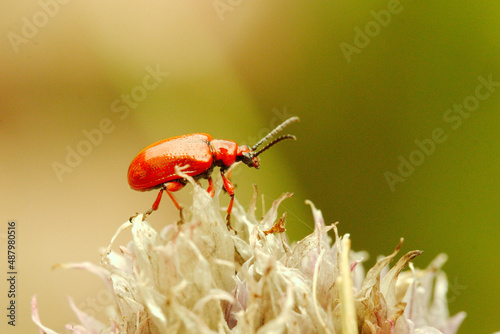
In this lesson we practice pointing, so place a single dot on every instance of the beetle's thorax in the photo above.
(224, 152)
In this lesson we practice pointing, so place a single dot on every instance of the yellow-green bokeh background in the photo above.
(229, 77)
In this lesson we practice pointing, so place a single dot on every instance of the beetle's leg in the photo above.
(158, 199)
(168, 188)
(211, 189)
(153, 208)
(175, 186)
(156, 203)
(230, 190)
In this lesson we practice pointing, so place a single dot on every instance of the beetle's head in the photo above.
(247, 156)
(250, 156)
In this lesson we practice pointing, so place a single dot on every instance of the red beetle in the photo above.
(154, 166)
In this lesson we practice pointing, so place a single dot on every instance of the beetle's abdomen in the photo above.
(156, 163)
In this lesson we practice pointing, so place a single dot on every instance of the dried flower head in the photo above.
(198, 277)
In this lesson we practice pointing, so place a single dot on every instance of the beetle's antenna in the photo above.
(275, 131)
(274, 142)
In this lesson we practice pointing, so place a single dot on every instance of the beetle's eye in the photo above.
(247, 158)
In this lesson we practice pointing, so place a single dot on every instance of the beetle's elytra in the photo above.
(199, 153)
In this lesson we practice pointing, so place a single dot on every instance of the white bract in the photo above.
(199, 277)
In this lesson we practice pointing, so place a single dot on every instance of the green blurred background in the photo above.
(235, 69)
